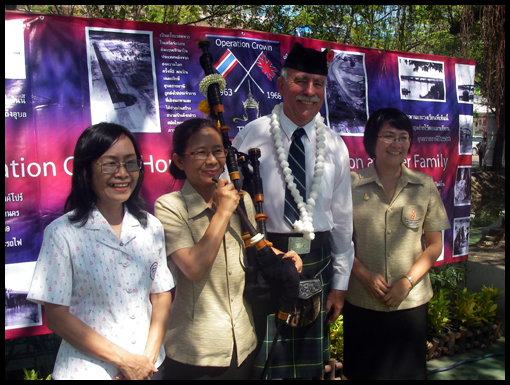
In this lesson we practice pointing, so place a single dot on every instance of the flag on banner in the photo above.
(266, 66)
(248, 74)
(226, 63)
(250, 91)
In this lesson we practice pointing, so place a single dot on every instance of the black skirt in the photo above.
(385, 345)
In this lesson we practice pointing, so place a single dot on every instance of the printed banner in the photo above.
(63, 74)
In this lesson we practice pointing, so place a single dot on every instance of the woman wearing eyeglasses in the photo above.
(385, 312)
(101, 273)
(211, 332)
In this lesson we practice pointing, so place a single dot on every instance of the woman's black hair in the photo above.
(180, 139)
(394, 117)
(91, 145)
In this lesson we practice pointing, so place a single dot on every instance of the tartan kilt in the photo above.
(300, 352)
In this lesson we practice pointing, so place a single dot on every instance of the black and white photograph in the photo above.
(465, 134)
(346, 93)
(462, 193)
(19, 312)
(421, 80)
(460, 236)
(465, 78)
(122, 78)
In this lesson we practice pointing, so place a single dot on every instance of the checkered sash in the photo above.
(300, 352)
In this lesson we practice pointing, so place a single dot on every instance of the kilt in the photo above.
(299, 352)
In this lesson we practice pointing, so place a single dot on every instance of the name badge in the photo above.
(410, 218)
(299, 244)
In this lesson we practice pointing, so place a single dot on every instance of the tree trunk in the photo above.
(497, 161)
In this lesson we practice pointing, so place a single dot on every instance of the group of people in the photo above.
(106, 267)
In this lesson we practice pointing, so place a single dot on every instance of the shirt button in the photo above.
(129, 290)
(132, 316)
(388, 232)
(125, 263)
(121, 244)
(133, 342)
(230, 272)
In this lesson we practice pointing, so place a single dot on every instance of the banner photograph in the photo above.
(63, 74)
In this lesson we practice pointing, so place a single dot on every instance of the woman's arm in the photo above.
(374, 283)
(400, 288)
(88, 341)
(161, 303)
(196, 261)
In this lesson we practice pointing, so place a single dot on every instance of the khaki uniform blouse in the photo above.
(208, 316)
(388, 235)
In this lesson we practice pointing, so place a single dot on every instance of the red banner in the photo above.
(64, 74)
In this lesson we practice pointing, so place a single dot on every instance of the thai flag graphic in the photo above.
(226, 63)
(266, 66)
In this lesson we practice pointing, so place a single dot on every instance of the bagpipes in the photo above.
(268, 276)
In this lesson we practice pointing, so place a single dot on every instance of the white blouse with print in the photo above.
(106, 282)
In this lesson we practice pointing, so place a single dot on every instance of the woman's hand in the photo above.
(298, 262)
(225, 198)
(135, 367)
(374, 283)
(397, 293)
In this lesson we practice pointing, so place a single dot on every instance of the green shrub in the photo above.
(486, 306)
(451, 277)
(465, 309)
(439, 311)
(336, 335)
(33, 375)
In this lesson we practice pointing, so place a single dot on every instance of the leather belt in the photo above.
(281, 240)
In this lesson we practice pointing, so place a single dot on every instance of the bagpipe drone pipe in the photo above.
(272, 282)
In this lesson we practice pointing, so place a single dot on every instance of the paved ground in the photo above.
(471, 365)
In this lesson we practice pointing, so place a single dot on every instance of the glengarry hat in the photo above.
(308, 60)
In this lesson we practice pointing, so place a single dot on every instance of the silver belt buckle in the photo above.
(299, 244)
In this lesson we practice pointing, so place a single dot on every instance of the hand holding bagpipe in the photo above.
(275, 268)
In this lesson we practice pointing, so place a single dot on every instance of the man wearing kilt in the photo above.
(306, 174)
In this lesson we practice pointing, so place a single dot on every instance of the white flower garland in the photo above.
(211, 79)
(305, 222)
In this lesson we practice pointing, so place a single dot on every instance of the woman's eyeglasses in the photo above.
(114, 167)
(203, 155)
(389, 139)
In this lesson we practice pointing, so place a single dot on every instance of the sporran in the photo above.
(308, 305)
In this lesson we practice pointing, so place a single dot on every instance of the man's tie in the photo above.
(296, 161)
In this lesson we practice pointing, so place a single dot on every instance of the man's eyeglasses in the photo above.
(389, 139)
(203, 155)
(114, 167)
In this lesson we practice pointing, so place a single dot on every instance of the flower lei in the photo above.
(211, 79)
(305, 222)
